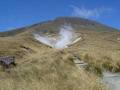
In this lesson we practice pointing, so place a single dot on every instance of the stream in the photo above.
(112, 80)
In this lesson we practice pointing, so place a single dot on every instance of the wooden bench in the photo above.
(7, 61)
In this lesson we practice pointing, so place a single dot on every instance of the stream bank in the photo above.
(112, 80)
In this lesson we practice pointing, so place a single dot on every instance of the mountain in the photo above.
(41, 67)
(78, 23)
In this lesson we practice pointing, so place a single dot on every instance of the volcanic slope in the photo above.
(42, 67)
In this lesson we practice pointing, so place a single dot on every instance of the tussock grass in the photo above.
(44, 69)
(48, 70)
(99, 61)
(99, 49)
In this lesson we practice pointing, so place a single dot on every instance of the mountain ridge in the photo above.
(81, 22)
(41, 66)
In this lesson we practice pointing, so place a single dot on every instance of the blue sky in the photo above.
(19, 13)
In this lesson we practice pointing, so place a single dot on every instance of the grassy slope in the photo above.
(100, 49)
(41, 67)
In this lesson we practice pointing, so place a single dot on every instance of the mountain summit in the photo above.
(45, 54)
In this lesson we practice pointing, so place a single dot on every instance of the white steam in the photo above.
(64, 38)
(44, 39)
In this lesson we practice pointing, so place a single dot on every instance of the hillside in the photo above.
(42, 67)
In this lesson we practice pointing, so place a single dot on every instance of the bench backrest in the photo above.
(7, 59)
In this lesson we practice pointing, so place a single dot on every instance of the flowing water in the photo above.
(112, 80)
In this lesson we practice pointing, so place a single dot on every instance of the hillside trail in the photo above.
(111, 80)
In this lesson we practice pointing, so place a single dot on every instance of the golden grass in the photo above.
(49, 69)
(98, 51)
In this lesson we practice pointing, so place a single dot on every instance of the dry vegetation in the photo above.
(40, 67)
(101, 50)
(44, 69)
(47, 69)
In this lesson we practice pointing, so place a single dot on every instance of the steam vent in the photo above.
(67, 53)
(64, 38)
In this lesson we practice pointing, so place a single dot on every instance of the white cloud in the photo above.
(89, 13)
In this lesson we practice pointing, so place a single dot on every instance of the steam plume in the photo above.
(66, 35)
(65, 38)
